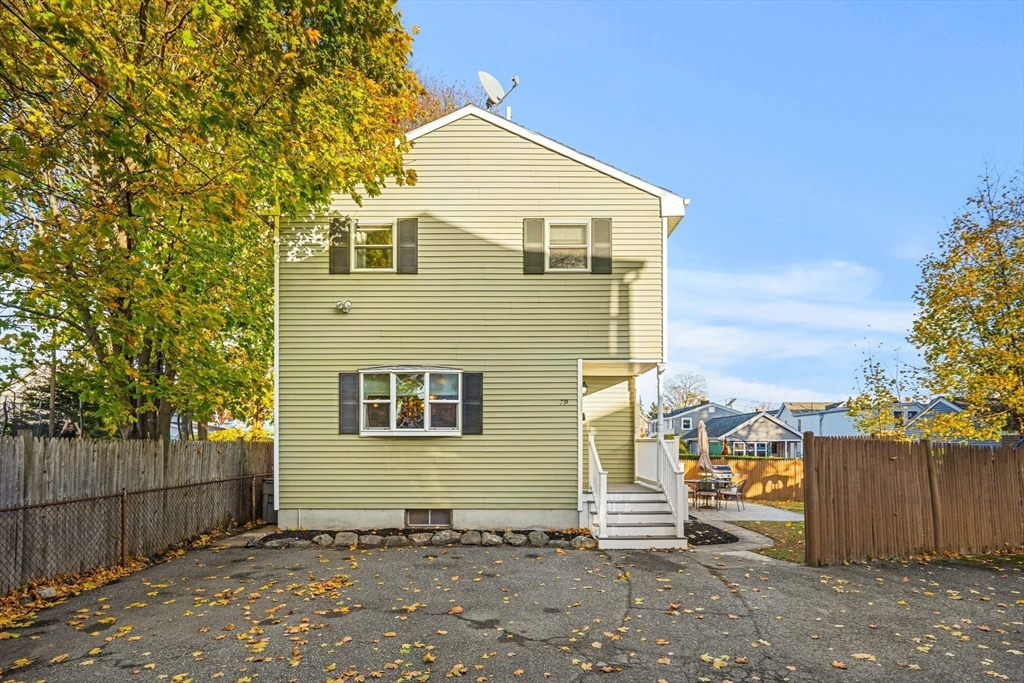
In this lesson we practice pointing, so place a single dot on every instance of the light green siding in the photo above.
(470, 307)
(609, 408)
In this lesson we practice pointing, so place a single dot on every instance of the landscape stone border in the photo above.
(440, 538)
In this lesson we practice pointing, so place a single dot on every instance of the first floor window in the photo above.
(739, 448)
(411, 401)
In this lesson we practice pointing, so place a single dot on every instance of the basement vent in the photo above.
(433, 518)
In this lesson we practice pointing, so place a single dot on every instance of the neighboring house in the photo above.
(942, 406)
(833, 419)
(758, 434)
(682, 420)
(517, 287)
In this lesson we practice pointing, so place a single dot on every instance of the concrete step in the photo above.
(635, 517)
(641, 542)
(642, 529)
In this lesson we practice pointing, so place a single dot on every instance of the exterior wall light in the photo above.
(344, 306)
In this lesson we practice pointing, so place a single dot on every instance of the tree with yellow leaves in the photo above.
(970, 321)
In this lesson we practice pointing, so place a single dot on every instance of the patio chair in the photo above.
(734, 492)
(705, 494)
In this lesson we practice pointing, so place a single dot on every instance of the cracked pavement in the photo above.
(522, 614)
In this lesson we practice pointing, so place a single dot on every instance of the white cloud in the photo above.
(757, 335)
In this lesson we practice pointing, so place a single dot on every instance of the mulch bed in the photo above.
(698, 533)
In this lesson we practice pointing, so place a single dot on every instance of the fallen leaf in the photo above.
(455, 610)
(838, 665)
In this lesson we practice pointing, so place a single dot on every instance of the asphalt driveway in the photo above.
(519, 614)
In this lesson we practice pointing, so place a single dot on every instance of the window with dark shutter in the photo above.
(348, 394)
(408, 245)
(601, 259)
(533, 246)
(472, 403)
(340, 234)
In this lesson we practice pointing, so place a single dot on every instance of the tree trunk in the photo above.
(53, 390)
(201, 428)
(163, 420)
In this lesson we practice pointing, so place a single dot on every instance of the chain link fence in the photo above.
(70, 536)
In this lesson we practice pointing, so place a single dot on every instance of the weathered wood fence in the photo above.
(872, 498)
(767, 478)
(70, 506)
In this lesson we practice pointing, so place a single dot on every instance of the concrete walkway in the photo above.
(752, 513)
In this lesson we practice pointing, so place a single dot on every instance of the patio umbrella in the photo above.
(703, 447)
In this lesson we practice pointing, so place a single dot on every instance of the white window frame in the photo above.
(547, 245)
(394, 246)
(427, 430)
(687, 423)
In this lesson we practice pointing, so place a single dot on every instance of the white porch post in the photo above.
(661, 401)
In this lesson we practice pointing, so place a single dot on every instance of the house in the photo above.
(758, 434)
(682, 420)
(944, 406)
(464, 351)
(833, 419)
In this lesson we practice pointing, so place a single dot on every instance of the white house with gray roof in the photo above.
(757, 434)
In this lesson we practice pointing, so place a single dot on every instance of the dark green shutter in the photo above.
(408, 245)
(533, 246)
(348, 394)
(601, 253)
(339, 238)
(472, 403)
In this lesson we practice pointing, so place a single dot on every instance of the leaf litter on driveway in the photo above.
(419, 614)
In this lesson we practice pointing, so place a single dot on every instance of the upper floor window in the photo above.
(554, 245)
(410, 402)
(687, 422)
(374, 246)
(568, 245)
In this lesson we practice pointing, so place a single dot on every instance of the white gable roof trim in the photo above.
(672, 205)
(758, 416)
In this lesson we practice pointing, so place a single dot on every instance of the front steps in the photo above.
(637, 519)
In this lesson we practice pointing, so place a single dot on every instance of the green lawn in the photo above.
(791, 505)
(788, 537)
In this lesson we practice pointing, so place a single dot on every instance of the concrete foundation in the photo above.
(461, 519)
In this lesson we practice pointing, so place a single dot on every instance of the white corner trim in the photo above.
(277, 362)
(671, 204)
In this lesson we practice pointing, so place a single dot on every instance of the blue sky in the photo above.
(824, 146)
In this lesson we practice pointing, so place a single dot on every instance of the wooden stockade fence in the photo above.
(767, 478)
(872, 498)
(70, 506)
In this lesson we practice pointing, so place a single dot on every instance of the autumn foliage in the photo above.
(142, 148)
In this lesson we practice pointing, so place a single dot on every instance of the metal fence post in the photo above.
(254, 516)
(124, 527)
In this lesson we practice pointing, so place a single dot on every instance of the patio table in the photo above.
(708, 485)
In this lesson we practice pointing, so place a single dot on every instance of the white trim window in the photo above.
(567, 246)
(410, 401)
(373, 246)
(687, 422)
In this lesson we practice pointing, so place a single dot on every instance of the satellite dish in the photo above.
(495, 93)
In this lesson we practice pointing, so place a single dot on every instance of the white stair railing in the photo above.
(598, 485)
(670, 478)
